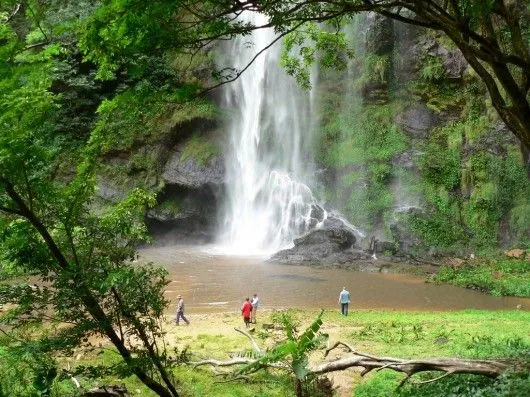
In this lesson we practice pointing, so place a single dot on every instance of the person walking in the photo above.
(344, 300)
(246, 309)
(180, 310)
(254, 302)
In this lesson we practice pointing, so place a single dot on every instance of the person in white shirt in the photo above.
(344, 300)
(254, 303)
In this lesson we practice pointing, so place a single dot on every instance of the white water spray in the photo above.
(266, 204)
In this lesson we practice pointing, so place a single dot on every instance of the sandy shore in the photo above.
(222, 325)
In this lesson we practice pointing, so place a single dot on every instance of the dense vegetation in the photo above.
(95, 90)
(497, 277)
(451, 180)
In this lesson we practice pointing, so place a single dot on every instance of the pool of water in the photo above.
(211, 282)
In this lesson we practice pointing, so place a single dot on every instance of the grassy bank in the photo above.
(500, 277)
(466, 334)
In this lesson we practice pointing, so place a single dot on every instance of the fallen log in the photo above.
(449, 366)
(490, 368)
(107, 391)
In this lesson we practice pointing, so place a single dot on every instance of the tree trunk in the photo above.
(90, 302)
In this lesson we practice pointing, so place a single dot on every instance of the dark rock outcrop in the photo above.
(187, 207)
(379, 36)
(190, 173)
(333, 243)
(417, 120)
(385, 247)
(108, 191)
(184, 215)
(453, 61)
(379, 42)
(406, 241)
(317, 212)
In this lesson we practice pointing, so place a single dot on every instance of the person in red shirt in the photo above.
(246, 309)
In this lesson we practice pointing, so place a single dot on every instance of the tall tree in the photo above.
(51, 228)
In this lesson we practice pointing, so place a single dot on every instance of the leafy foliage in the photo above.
(365, 140)
(469, 190)
(293, 350)
(497, 277)
(25, 372)
(80, 260)
(309, 44)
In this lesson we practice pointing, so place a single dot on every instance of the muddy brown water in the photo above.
(217, 283)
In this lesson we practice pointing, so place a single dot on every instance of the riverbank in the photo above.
(211, 282)
(465, 334)
(499, 277)
(498, 273)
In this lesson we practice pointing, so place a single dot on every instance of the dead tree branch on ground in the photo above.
(449, 366)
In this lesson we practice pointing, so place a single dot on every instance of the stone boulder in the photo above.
(190, 173)
(453, 61)
(333, 243)
(340, 237)
(317, 212)
(316, 216)
(455, 263)
(516, 253)
(417, 120)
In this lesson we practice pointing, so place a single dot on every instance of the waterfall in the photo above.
(266, 202)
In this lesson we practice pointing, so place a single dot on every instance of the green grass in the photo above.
(506, 277)
(465, 334)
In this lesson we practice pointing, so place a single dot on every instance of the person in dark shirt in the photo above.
(180, 310)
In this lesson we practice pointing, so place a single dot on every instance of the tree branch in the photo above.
(220, 363)
(337, 344)
(239, 73)
(11, 211)
(15, 11)
(252, 340)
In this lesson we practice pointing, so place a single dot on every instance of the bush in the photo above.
(497, 277)
(25, 372)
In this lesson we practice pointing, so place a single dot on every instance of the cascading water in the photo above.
(266, 204)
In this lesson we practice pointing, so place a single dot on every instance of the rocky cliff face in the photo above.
(187, 209)
(183, 165)
(409, 151)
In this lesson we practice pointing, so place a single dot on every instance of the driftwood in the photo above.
(107, 391)
(252, 340)
(490, 368)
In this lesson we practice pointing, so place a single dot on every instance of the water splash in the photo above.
(266, 205)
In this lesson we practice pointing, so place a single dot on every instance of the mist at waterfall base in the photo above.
(267, 200)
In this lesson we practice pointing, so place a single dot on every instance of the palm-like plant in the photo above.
(292, 354)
